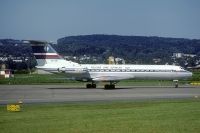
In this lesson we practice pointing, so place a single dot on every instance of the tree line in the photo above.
(134, 49)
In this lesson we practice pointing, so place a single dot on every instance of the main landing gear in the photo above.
(110, 86)
(93, 85)
(106, 86)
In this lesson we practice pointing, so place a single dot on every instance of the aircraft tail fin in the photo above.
(44, 53)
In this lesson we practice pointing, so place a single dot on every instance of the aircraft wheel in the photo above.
(176, 85)
(94, 85)
(106, 86)
(89, 86)
(109, 86)
(112, 86)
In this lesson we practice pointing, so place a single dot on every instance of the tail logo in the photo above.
(45, 52)
(46, 49)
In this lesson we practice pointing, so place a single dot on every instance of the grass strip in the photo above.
(170, 116)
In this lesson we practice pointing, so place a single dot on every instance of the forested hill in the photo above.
(134, 49)
(131, 48)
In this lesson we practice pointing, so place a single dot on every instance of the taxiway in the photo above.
(62, 93)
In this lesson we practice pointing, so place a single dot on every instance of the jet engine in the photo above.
(75, 70)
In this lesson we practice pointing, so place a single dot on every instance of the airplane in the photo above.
(49, 60)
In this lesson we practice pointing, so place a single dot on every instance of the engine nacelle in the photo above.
(78, 70)
(62, 69)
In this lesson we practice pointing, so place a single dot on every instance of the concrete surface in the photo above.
(62, 93)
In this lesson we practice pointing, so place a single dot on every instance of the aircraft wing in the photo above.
(109, 78)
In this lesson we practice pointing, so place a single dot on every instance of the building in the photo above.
(111, 60)
(178, 55)
(6, 73)
(181, 55)
(156, 60)
(189, 55)
(119, 60)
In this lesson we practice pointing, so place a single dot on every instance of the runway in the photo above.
(62, 93)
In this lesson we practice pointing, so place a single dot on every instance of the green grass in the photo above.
(61, 79)
(196, 76)
(37, 79)
(173, 116)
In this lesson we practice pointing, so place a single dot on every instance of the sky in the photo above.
(53, 19)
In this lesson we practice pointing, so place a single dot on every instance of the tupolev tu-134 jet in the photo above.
(49, 60)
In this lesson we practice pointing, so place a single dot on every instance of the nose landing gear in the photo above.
(175, 83)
